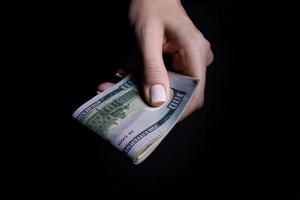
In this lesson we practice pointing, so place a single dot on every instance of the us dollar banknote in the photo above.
(120, 115)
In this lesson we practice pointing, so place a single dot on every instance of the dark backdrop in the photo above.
(239, 144)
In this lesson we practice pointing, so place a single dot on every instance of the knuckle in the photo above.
(210, 58)
(200, 104)
(154, 72)
(144, 28)
(205, 44)
(198, 41)
(197, 101)
(153, 68)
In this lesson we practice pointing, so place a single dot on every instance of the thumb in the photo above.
(155, 76)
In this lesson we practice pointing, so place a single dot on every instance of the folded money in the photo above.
(120, 115)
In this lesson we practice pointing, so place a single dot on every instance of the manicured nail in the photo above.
(157, 95)
(119, 75)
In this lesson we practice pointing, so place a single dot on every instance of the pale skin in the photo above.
(163, 27)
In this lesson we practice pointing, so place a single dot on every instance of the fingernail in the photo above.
(119, 75)
(157, 95)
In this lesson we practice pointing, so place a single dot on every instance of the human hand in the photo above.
(163, 27)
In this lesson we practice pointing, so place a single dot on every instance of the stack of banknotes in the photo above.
(120, 115)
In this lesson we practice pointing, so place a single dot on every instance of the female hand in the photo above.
(163, 27)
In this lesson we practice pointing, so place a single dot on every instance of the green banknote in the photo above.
(120, 116)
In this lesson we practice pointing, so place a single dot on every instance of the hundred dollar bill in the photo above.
(120, 116)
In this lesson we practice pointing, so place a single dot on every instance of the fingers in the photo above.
(155, 77)
(104, 86)
(198, 56)
(120, 73)
(210, 57)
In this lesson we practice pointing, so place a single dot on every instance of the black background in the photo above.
(241, 143)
